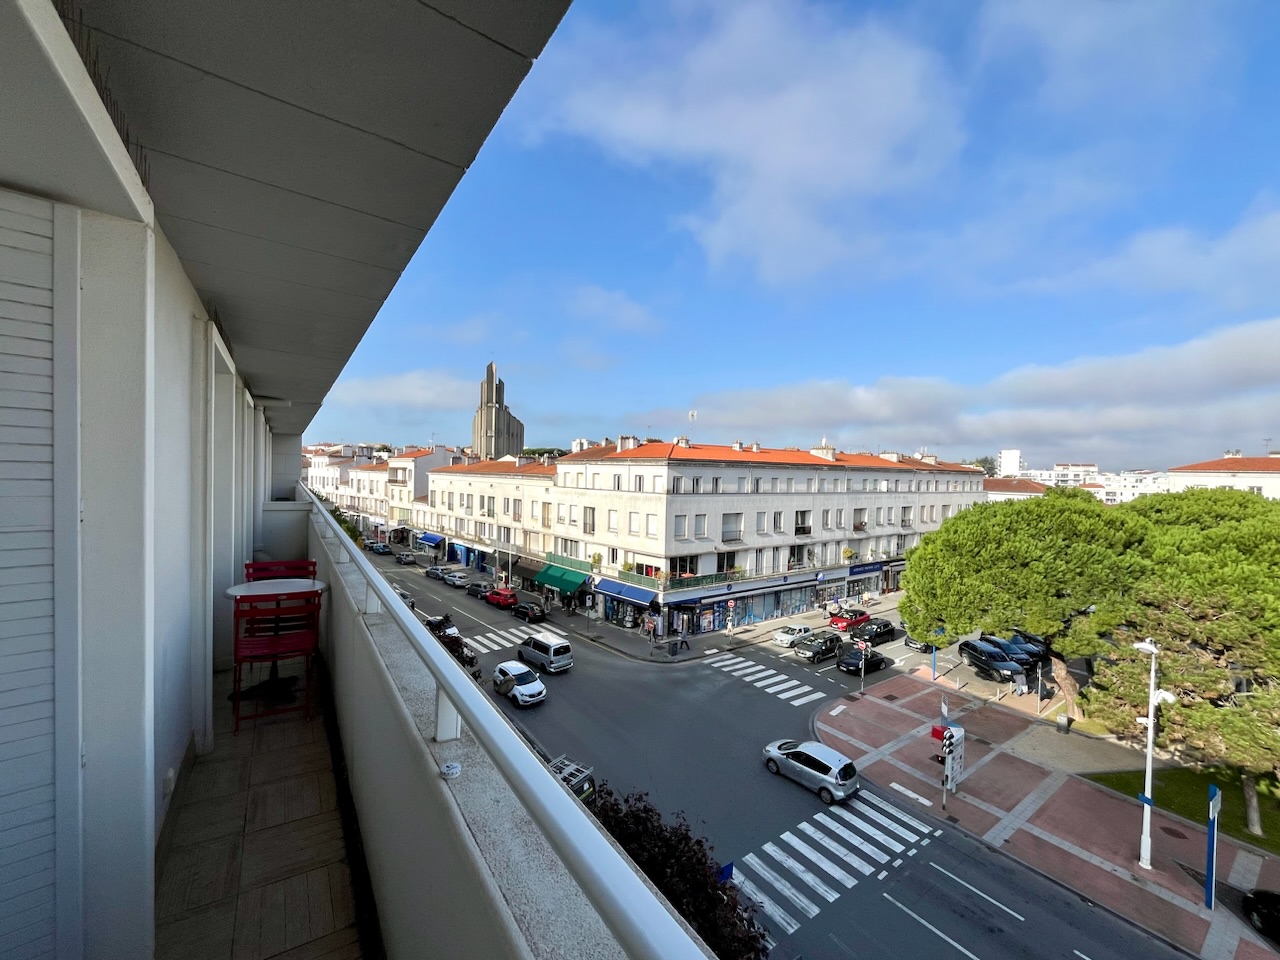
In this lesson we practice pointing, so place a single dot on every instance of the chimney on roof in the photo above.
(737, 445)
(755, 447)
(824, 450)
(522, 460)
(930, 458)
(628, 442)
(1274, 453)
(681, 442)
(893, 455)
(1232, 453)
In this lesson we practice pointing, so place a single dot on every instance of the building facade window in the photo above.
(650, 524)
(777, 521)
(683, 566)
(677, 484)
(840, 518)
(715, 484)
(639, 483)
(633, 523)
(588, 520)
(680, 526)
(804, 522)
(762, 522)
(612, 520)
(696, 483)
(731, 527)
(826, 519)
(699, 524)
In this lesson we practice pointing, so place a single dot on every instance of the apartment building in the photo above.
(684, 528)
(1260, 475)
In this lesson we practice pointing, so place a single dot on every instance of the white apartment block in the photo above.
(1063, 474)
(1113, 488)
(695, 525)
(1009, 463)
(1260, 475)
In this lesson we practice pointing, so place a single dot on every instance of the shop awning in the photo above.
(527, 568)
(624, 591)
(566, 581)
(430, 539)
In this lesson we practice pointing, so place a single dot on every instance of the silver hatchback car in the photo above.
(831, 774)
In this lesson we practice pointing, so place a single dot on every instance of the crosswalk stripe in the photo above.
(781, 686)
(801, 871)
(812, 696)
(721, 658)
(819, 859)
(768, 680)
(739, 670)
(802, 903)
(495, 641)
(730, 663)
(477, 645)
(552, 626)
(900, 814)
(856, 862)
(756, 674)
(867, 828)
(510, 636)
(880, 818)
(771, 909)
(787, 694)
(873, 852)
(489, 643)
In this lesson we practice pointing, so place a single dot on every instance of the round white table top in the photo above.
(270, 588)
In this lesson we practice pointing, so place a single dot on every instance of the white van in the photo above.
(548, 651)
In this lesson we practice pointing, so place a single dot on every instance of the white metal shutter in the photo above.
(26, 578)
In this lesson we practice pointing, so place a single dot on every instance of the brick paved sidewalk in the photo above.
(1021, 793)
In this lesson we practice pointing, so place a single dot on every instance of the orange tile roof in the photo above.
(413, 455)
(1234, 465)
(705, 452)
(1012, 485)
(1094, 486)
(496, 467)
(381, 465)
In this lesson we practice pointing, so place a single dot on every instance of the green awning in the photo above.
(566, 581)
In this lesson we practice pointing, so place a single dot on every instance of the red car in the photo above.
(849, 619)
(503, 597)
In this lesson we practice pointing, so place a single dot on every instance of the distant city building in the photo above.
(1112, 488)
(1063, 474)
(1011, 488)
(1009, 463)
(495, 433)
(1259, 475)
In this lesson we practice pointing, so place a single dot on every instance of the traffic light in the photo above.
(948, 741)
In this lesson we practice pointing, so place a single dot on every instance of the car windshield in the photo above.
(846, 773)
(523, 677)
(786, 746)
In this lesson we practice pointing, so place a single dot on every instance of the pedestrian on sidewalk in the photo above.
(684, 643)
(1020, 679)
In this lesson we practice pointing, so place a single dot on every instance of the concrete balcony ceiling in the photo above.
(298, 151)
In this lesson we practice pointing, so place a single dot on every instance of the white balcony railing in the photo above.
(470, 863)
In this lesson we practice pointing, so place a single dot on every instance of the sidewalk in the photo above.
(1021, 793)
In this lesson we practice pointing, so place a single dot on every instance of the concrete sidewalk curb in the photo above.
(944, 823)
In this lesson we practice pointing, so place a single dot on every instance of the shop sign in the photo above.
(864, 568)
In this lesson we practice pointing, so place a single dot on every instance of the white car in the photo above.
(457, 578)
(792, 634)
(514, 680)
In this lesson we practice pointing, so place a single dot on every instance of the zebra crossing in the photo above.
(771, 681)
(503, 639)
(807, 867)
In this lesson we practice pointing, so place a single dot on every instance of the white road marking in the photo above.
(781, 686)
(884, 838)
(755, 673)
(1080, 955)
(882, 874)
(837, 711)
(881, 819)
(511, 635)
(898, 862)
(492, 641)
(856, 862)
(962, 883)
(848, 835)
(721, 658)
(911, 852)
(724, 664)
(771, 909)
(556, 629)
(768, 680)
(813, 696)
(477, 645)
(801, 871)
(788, 694)
(708, 652)
(910, 793)
(802, 903)
(901, 815)
(819, 859)
(764, 676)
(738, 671)
(911, 913)
(825, 669)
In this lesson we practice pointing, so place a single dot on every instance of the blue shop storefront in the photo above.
(784, 599)
(865, 578)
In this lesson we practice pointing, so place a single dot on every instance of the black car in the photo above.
(1031, 640)
(1013, 651)
(478, 588)
(851, 662)
(529, 612)
(988, 661)
(1262, 908)
(875, 631)
(818, 647)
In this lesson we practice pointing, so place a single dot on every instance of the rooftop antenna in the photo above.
(1266, 445)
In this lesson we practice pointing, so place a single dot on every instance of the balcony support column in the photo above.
(448, 720)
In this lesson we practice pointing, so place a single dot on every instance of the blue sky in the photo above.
(896, 225)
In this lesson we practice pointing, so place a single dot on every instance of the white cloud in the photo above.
(425, 390)
(798, 122)
(1157, 407)
(1114, 54)
(614, 309)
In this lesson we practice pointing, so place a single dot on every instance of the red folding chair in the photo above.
(272, 628)
(279, 569)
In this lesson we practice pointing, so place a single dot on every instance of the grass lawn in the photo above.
(1186, 793)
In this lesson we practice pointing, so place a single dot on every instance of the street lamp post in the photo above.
(1154, 697)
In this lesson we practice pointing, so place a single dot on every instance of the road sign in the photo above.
(1211, 851)
(730, 604)
(860, 644)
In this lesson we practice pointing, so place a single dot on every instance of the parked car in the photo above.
(988, 661)
(367, 543)
(381, 548)
(874, 631)
(923, 646)
(819, 646)
(816, 766)
(792, 634)
(1262, 908)
(436, 572)
(1024, 655)
(457, 578)
(512, 679)
(1032, 639)
(441, 627)
(406, 557)
(478, 588)
(529, 612)
(846, 620)
(851, 661)
(503, 597)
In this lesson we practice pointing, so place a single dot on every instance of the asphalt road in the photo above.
(874, 878)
